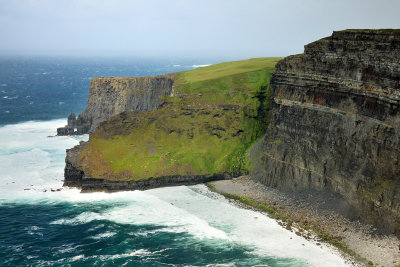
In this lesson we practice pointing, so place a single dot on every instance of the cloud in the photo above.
(239, 28)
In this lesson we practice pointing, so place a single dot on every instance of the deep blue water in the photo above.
(34, 88)
(43, 224)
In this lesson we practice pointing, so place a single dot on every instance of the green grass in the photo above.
(227, 69)
(259, 206)
(334, 241)
(220, 111)
(170, 146)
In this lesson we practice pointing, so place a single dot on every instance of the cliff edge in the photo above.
(335, 123)
(109, 96)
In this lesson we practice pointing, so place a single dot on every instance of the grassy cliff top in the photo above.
(206, 129)
(226, 69)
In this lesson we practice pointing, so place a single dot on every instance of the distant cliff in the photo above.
(110, 96)
(182, 128)
(335, 123)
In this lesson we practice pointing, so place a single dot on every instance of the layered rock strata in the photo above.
(112, 95)
(335, 123)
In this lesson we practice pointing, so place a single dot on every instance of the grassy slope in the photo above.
(205, 130)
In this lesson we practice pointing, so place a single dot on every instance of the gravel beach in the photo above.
(323, 212)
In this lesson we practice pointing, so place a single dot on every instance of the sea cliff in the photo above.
(335, 123)
(182, 128)
(109, 96)
(323, 128)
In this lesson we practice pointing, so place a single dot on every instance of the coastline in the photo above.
(310, 215)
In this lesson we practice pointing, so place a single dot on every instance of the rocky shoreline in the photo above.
(324, 215)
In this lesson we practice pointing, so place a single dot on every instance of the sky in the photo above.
(231, 28)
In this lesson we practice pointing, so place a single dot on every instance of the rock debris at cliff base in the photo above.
(318, 210)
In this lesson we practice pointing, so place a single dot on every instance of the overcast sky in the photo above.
(233, 28)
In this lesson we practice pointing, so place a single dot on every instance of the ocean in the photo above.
(44, 224)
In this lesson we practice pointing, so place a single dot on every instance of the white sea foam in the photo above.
(84, 217)
(104, 235)
(248, 227)
(78, 257)
(34, 230)
(135, 253)
(7, 97)
(31, 164)
(206, 217)
(30, 161)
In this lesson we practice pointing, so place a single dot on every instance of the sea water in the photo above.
(44, 224)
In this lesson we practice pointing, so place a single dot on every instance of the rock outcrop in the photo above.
(71, 128)
(335, 123)
(113, 95)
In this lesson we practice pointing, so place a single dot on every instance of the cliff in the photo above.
(110, 96)
(335, 123)
(199, 130)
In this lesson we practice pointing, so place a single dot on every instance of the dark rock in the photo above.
(335, 123)
(72, 121)
(72, 173)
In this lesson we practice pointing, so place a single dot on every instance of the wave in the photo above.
(135, 253)
(31, 171)
(205, 216)
(31, 163)
(9, 98)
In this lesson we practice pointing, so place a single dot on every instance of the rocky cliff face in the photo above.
(110, 96)
(335, 123)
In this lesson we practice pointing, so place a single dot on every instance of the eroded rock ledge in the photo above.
(335, 123)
